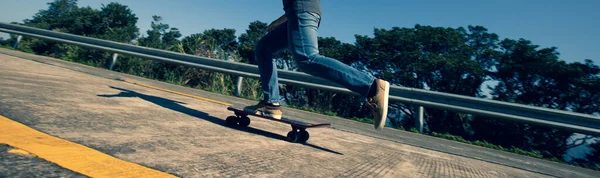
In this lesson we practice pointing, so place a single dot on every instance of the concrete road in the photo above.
(180, 131)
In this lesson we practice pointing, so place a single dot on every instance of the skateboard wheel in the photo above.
(303, 136)
(244, 121)
(231, 121)
(292, 136)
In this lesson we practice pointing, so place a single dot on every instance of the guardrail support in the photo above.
(114, 60)
(19, 37)
(419, 119)
(238, 87)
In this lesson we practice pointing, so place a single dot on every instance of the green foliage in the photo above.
(4, 44)
(412, 129)
(594, 156)
(486, 144)
(224, 39)
(450, 137)
(28, 44)
(160, 36)
(363, 120)
(535, 154)
(435, 58)
(247, 41)
(533, 76)
(592, 159)
(118, 23)
(252, 89)
(57, 16)
(112, 22)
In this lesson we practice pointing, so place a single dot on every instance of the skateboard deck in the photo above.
(298, 133)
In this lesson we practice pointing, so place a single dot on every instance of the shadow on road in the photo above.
(176, 106)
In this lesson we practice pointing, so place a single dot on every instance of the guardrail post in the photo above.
(114, 60)
(238, 87)
(419, 119)
(19, 37)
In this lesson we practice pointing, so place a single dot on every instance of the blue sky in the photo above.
(572, 26)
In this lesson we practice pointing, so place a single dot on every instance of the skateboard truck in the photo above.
(298, 134)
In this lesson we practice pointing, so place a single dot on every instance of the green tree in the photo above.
(222, 38)
(161, 36)
(583, 86)
(435, 58)
(55, 17)
(193, 44)
(211, 43)
(118, 23)
(113, 22)
(335, 49)
(4, 42)
(593, 158)
(248, 40)
(532, 76)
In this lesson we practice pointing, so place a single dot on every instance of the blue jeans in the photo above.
(299, 35)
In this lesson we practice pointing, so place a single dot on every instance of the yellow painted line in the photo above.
(18, 151)
(178, 93)
(72, 156)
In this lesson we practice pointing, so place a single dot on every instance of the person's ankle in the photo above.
(373, 89)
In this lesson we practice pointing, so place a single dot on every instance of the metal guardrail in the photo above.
(577, 122)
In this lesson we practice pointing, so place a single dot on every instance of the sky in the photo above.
(571, 26)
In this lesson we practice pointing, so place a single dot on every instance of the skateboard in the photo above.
(297, 135)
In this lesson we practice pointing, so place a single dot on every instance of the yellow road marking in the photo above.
(178, 93)
(19, 151)
(69, 155)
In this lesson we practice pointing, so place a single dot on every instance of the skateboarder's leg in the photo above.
(302, 35)
(302, 39)
(272, 42)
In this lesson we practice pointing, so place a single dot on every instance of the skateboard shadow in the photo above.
(177, 106)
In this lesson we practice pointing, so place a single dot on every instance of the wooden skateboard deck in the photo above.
(298, 133)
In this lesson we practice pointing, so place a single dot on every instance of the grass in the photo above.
(414, 130)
